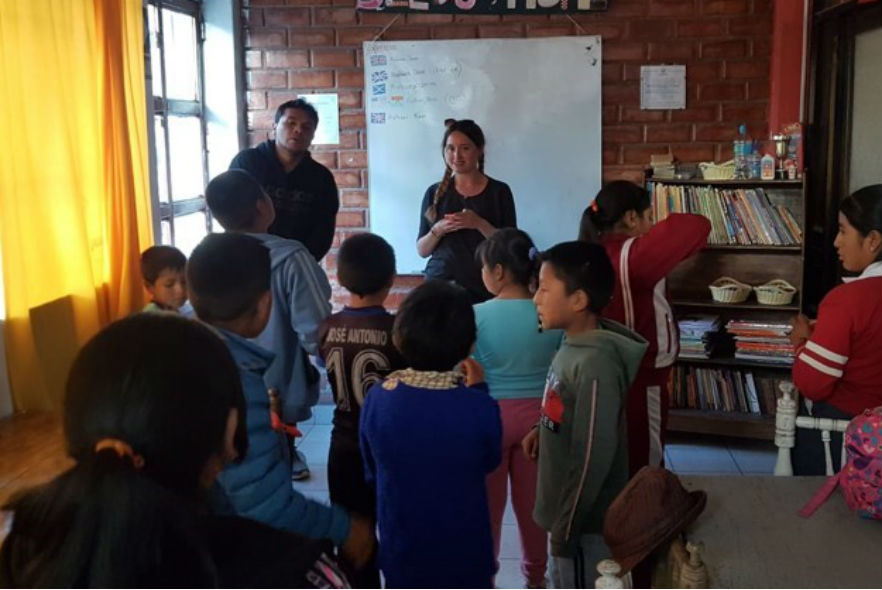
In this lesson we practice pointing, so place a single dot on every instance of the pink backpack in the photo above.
(861, 474)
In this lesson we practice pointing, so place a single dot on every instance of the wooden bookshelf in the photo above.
(732, 362)
(753, 264)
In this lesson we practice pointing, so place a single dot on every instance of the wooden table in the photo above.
(754, 537)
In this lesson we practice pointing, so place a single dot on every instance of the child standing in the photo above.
(356, 346)
(643, 254)
(582, 440)
(230, 280)
(163, 271)
(301, 297)
(429, 437)
(515, 357)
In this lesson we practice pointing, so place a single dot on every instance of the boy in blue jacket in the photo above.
(301, 297)
(229, 276)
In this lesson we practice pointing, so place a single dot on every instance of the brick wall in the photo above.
(315, 46)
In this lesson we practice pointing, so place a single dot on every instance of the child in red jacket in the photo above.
(620, 219)
(839, 357)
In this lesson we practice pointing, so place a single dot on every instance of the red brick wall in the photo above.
(315, 46)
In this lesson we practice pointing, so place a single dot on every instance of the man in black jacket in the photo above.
(303, 191)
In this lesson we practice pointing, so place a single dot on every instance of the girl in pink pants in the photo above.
(515, 356)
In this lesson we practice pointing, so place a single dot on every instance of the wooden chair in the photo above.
(786, 423)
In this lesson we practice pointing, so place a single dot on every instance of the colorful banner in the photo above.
(482, 6)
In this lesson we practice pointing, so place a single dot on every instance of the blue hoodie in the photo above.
(301, 301)
(260, 486)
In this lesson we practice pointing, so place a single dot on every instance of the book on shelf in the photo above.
(738, 216)
(697, 333)
(725, 390)
(763, 341)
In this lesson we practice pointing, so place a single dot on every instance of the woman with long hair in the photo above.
(153, 410)
(462, 210)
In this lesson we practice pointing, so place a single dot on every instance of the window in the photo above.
(175, 81)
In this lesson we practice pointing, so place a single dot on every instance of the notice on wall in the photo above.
(662, 87)
(327, 105)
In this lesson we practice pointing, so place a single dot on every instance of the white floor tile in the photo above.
(754, 460)
(509, 574)
(695, 458)
(317, 482)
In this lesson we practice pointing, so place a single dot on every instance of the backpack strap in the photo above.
(820, 496)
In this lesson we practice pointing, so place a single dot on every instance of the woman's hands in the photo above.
(465, 219)
(802, 329)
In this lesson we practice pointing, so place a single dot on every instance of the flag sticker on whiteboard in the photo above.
(662, 87)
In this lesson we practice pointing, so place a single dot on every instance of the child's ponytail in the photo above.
(104, 524)
(513, 250)
(610, 205)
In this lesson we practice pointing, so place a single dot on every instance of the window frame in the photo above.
(162, 106)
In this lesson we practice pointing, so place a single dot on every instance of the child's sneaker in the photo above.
(299, 468)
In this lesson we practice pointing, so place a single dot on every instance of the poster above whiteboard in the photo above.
(538, 102)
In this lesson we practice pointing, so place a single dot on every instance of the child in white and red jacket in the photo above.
(620, 219)
(839, 357)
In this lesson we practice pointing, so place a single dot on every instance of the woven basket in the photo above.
(777, 292)
(729, 290)
(712, 171)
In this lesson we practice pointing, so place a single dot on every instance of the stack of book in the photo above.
(696, 335)
(763, 341)
(741, 216)
(724, 390)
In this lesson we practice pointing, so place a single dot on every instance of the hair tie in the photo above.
(533, 253)
(594, 206)
(122, 449)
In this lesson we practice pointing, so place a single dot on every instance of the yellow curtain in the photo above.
(74, 187)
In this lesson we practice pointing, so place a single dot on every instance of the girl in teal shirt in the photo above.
(515, 356)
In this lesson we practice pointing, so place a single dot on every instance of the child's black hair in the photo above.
(609, 206)
(863, 209)
(164, 386)
(365, 264)
(583, 266)
(156, 259)
(435, 326)
(227, 274)
(510, 248)
(232, 198)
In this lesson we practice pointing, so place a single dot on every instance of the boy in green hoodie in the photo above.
(581, 439)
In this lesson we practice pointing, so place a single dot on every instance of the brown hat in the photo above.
(651, 510)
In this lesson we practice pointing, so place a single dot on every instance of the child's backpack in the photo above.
(861, 473)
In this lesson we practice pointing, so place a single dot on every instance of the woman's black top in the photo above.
(453, 258)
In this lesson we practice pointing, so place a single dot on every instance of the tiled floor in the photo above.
(684, 454)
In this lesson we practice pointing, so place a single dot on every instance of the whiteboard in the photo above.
(538, 102)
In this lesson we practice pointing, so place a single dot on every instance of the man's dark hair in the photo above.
(301, 104)
(435, 326)
(232, 198)
(365, 264)
(156, 259)
(584, 266)
(227, 275)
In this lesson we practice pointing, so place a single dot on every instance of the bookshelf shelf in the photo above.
(731, 204)
(745, 248)
(731, 182)
(737, 424)
(729, 361)
(748, 305)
